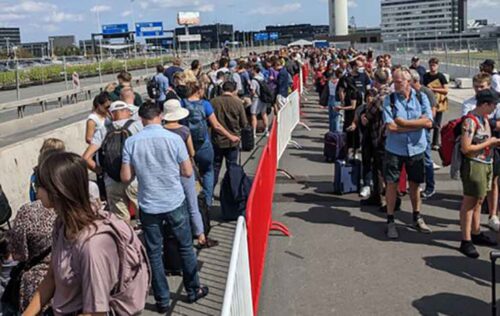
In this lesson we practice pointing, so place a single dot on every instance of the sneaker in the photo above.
(483, 240)
(365, 192)
(468, 249)
(162, 309)
(436, 147)
(201, 292)
(436, 166)
(266, 133)
(494, 223)
(427, 194)
(391, 231)
(421, 226)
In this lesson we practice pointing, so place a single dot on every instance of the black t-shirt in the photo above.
(361, 80)
(352, 92)
(428, 78)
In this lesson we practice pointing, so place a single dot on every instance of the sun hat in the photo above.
(173, 111)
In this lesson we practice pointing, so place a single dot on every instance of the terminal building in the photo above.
(9, 36)
(422, 19)
(212, 35)
(37, 49)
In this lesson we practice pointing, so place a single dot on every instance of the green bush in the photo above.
(39, 75)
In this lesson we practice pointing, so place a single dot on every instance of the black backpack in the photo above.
(266, 94)
(110, 153)
(153, 88)
(234, 192)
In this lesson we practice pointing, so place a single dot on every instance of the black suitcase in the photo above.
(172, 261)
(335, 146)
(494, 255)
(247, 139)
(347, 177)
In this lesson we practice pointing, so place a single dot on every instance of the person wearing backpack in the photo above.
(259, 91)
(480, 82)
(158, 159)
(476, 172)
(161, 86)
(108, 143)
(405, 118)
(201, 113)
(98, 264)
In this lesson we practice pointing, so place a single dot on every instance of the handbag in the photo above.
(11, 294)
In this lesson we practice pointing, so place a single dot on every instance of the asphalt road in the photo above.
(339, 262)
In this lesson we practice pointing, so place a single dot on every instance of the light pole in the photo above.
(133, 24)
(7, 39)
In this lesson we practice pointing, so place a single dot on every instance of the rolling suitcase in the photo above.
(172, 262)
(335, 146)
(347, 177)
(247, 139)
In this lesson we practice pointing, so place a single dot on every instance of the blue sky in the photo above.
(40, 18)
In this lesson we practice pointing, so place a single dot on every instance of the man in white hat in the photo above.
(105, 144)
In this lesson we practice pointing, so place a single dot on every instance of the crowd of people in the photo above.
(93, 245)
(393, 116)
(87, 245)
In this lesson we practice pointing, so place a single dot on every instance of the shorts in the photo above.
(415, 167)
(118, 200)
(258, 107)
(476, 177)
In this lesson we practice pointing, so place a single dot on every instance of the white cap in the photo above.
(118, 105)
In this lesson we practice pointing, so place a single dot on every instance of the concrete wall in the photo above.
(17, 161)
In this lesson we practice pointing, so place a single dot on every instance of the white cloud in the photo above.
(352, 4)
(484, 3)
(5, 17)
(276, 10)
(29, 7)
(100, 8)
(58, 17)
(206, 8)
(126, 13)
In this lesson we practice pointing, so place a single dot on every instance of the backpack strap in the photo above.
(127, 125)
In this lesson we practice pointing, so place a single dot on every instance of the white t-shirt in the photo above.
(98, 120)
(495, 82)
(468, 105)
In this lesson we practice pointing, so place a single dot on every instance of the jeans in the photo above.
(231, 155)
(333, 116)
(153, 228)
(204, 159)
(429, 165)
(189, 186)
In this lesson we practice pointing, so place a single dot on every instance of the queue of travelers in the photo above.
(398, 113)
(87, 243)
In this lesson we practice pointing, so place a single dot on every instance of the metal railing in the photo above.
(238, 294)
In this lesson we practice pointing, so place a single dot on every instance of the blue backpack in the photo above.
(197, 122)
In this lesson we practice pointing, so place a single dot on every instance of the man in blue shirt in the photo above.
(176, 67)
(406, 118)
(163, 84)
(159, 158)
(415, 65)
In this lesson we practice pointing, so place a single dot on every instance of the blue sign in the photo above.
(273, 36)
(261, 36)
(112, 29)
(146, 29)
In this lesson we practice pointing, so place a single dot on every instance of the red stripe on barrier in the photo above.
(259, 212)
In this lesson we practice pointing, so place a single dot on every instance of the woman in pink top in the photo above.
(98, 265)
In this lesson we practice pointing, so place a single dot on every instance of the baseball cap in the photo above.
(118, 105)
(487, 96)
(488, 62)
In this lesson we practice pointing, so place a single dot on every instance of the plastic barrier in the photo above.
(288, 119)
(238, 294)
(259, 212)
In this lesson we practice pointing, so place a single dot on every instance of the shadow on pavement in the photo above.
(445, 200)
(374, 229)
(478, 271)
(450, 304)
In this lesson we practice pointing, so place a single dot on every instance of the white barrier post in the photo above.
(238, 294)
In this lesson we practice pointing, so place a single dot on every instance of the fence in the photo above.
(238, 294)
(288, 119)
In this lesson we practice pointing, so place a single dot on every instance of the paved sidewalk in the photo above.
(339, 261)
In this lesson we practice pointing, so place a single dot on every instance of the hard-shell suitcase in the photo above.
(247, 139)
(347, 176)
